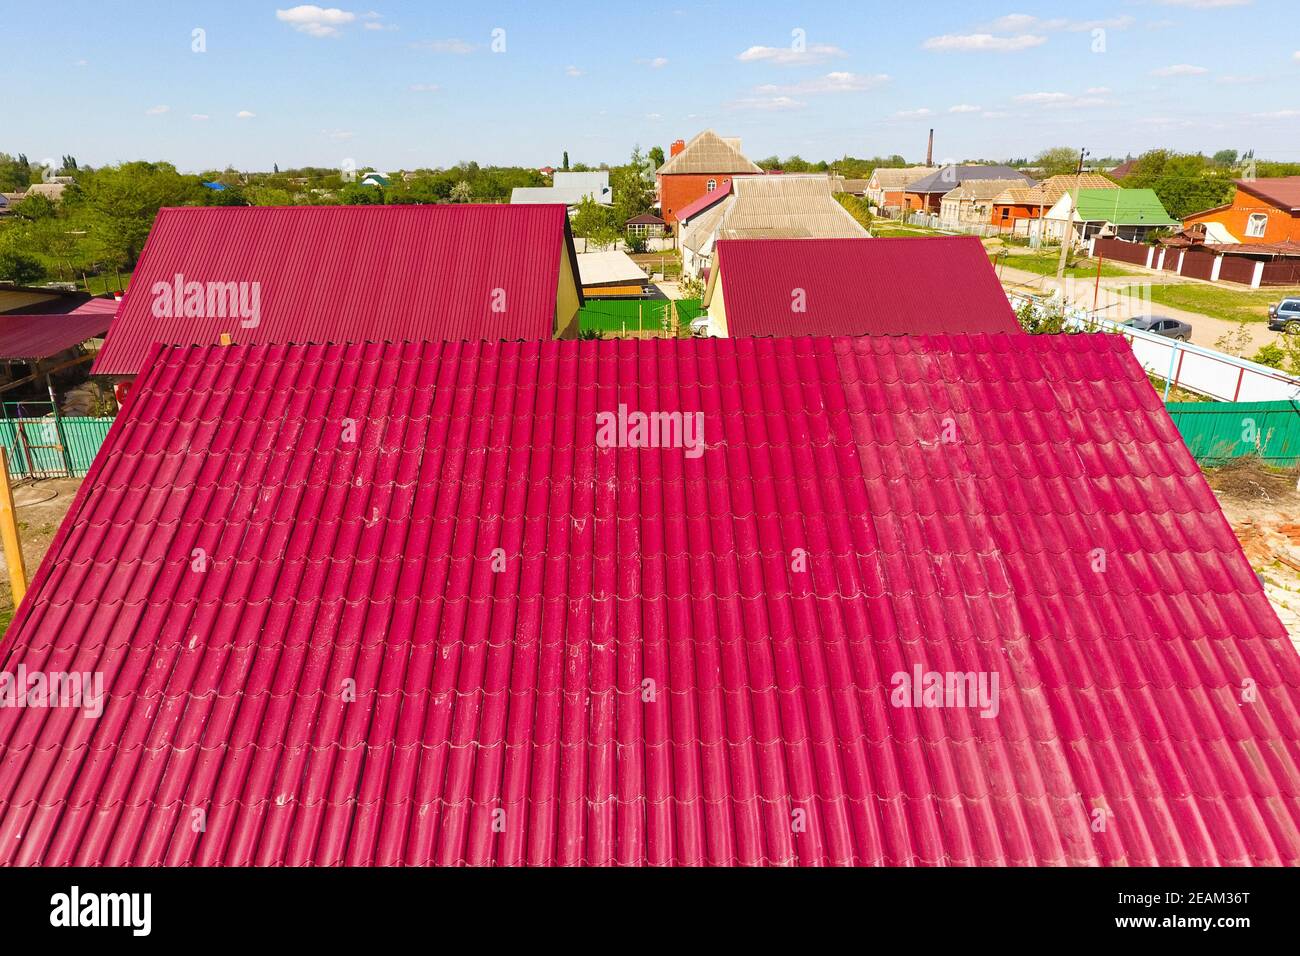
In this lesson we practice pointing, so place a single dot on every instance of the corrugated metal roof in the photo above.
(789, 207)
(976, 189)
(708, 152)
(678, 656)
(1052, 188)
(949, 177)
(1123, 207)
(861, 286)
(890, 177)
(29, 338)
(329, 273)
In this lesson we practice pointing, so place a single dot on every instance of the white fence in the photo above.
(1217, 375)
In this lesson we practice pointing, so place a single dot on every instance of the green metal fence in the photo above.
(1218, 431)
(637, 316)
(52, 447)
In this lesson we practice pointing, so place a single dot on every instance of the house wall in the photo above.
(1006, 214)
(718, 310)
(566, 300)
(923, 202)
(678, 190)
(1282, 225)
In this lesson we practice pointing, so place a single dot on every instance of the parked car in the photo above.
(1284, 316)
(1162, 325)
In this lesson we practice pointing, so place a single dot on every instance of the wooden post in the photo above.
(9, 532)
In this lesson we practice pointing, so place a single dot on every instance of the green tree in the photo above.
(565, 167)
(1057, 161)
(1225, 157)
(462, 192)
(20, 268)
(633, 187)
(15, 173)
(121, 202)
(657, 156)
(594, 222)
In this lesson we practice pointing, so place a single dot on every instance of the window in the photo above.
(712, 185)
(1256, 225)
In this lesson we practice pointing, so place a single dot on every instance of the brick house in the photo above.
(1262, 210)
(696, 168)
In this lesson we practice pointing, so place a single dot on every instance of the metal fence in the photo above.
(1220, 431)
(53, 446)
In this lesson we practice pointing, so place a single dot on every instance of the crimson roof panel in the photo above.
(335, 273)
(33, 337)
(861, 286)
(396, 604)
(697, 206)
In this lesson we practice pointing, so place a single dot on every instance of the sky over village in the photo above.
(414, 84)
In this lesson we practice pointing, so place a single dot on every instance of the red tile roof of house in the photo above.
(704, 202)
(861, 286)
(333, 273)
(1283, 191)
(26, 338)
(471, 635)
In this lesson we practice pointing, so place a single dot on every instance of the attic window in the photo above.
(1256, 225)
(712, 185)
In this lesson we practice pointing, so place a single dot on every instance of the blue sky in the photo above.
(407, 84)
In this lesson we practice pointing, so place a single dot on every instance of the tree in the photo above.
(15, 174)
(34, 207)
(1057, 161)
(566, 161)
(1225, 157)
(121, 202)
(657, 156)
(20, 268)
(594, 222)
(633, 187)
(462, 192)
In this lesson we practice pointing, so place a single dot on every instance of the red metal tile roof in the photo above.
(1282, 191)
(861, 286)
(692, 209)
(671, 659)
(28, 338)
(335, 273)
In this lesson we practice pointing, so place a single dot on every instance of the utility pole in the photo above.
(1067, 240)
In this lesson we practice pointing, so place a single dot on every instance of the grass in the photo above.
(890, 229)
(101, 284)
(1045, 263)
(1216, 301)
(1176, 393)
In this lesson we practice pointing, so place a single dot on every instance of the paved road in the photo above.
(1206, 330)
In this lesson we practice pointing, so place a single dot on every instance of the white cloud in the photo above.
(654, 117)
(572, 71)
(199, 117)
(983, 42)
(914, 114)
(1295, 56)
(786, 56)
(338, 134)
(1180, 69)
(766, 103)
(994, 115)
(963, 108)
(1097, 90)
(1278, 114)
(836, 82)
(1024, 23)
(315, 21)
(244, 114)
(425, 87)
(659, 62)
(157, 110)
(1059, 100)
(454, 46)
(87, 62)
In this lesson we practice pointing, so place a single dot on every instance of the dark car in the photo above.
(1162, 325)
(1284, 316)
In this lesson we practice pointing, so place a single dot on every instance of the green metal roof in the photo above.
(1123, 207)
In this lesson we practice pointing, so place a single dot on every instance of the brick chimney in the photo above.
(677, 146)
(929, 150)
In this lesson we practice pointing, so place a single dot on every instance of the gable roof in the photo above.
(976, 189)
(1123, 207)
(1053, 188)
(34, 336)
(861, 286)
(772, 687)
(713, 196)
(949, 177)
(1281, 191)
(790, 207)
(647, 219)
(708, 152)
(609, 267)
(890, 177)
(332, 272)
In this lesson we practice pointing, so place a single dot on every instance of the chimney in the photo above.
(677, 146)
(929, 150)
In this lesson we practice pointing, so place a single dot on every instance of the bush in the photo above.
(1271, 355)
(20, 268)
(635, 242)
